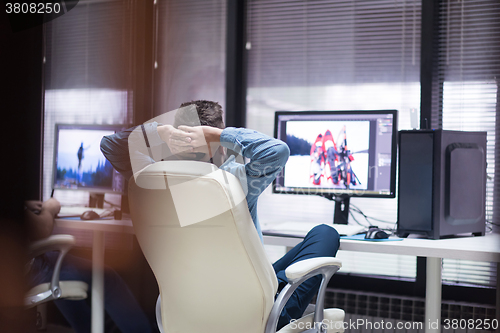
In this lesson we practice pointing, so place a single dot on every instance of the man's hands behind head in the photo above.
(191, 140)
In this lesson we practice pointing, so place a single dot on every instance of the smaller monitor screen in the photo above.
(79, 163)
(338, 152)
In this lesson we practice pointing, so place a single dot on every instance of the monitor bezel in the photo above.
(58, 126)
(334, 192)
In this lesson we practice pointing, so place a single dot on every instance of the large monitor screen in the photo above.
(340, 153)
(78, 161)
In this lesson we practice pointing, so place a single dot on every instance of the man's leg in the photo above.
(321, 241)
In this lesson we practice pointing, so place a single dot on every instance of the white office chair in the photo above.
(193, 225)
(45, 292)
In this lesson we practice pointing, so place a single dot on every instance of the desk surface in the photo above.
(96, 225)
(481, 248)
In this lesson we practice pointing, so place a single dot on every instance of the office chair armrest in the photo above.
(304, 267)
(61, 243)
(51, 243)
(298, 273)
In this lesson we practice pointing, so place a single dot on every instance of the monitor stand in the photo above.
(341, 214)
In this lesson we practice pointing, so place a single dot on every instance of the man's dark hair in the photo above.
(209, 114)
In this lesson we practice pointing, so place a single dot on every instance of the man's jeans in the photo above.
(321, 241)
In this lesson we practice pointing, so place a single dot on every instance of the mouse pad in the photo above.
(362, 238)
(77, 218)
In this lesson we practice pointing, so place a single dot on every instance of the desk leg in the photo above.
(433, 296)
(97, 317)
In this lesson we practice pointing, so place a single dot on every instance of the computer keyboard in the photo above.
(302, 228)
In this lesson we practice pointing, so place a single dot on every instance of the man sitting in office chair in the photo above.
(204, 137)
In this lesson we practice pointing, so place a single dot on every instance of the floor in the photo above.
(58, 329)
(52, 328)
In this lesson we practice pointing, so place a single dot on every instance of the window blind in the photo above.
(89, 47)
(466, 98)
(469, 70)
(333, 55)
(88, 75)
(317, 43)
(190, 46)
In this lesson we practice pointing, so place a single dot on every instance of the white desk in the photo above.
(485, 248)
(99, 227)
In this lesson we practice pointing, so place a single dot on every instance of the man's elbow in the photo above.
(283, 152)
(105, 149)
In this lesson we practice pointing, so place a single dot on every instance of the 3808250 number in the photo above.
(477, 324)
(32, 8)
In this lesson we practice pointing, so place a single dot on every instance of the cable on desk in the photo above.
(112, 204)
(358, 210)
(489, 222)
(355, 220)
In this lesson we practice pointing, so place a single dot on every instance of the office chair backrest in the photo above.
(193, 225)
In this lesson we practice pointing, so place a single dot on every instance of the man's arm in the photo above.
(267, 156)
(135, 148)
(115, 149)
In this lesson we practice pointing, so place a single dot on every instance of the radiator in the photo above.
(373, 312)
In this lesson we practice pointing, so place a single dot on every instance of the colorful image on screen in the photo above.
(79, 161)
(327, 154)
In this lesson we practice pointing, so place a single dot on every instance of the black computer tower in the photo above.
(442, 183)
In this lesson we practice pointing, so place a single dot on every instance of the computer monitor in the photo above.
(79, 163)
(338, 155)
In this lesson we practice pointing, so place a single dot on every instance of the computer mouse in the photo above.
(90, 215)
(375, 233)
